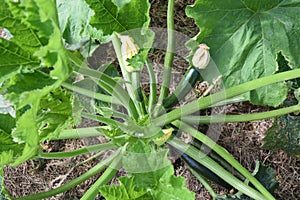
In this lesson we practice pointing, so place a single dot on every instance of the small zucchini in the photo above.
(186, 84)
(200, 60)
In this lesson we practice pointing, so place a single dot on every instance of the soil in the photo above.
(242, 140)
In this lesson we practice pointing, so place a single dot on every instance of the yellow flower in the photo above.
(201, 57)
(167, 134)
(128, 50)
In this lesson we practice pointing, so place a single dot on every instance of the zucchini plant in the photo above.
(49, 86)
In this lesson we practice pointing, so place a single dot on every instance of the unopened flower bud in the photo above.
(128, 50)
(201, 57)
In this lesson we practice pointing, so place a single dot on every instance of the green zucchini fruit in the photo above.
(186, 84)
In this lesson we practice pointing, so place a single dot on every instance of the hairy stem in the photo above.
(205, 102)
(169, 55)
(77, 152)
(91, 94)
(152, 95)
(209, 163)
(224, 154)
(79, 133)
(138, 95)
(93, 171)
(104, 179)
(112, 87)
(125, 74)
(239, 118)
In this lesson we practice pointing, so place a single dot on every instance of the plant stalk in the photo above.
(125, 74)
(169, 55)
(138, 95)
(205, 102)
(104, 179)
(114, 88)
(91, 94)
(152, 95)
(239, 118)
(224, 154)
(111, 86)
(101, 119)
(79, 133)
(93, 171)
(216, 168)
(77, 152)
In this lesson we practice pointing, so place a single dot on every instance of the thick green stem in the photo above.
(79, 133)
(93, 171)
(109, 83)
(111, 122)
(209, 163)
(152, 95)
(205, 102)
(84, 150)
(101, 119)
(138, 95)
(239, 118)
(169, 55)
(224, 154)
(91, 94)
(114, 88)
(104, 179)
(125, 74)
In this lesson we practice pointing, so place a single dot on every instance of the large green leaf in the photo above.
(8, 148)
(18, 50)
(152, 178)
(110, 18)
(165, 187)
(120, 3)
(74, 17)
(125, 190)
(26, 88)
(55, 113)
(245, 37)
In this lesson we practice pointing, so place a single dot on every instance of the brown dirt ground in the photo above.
(242, 140)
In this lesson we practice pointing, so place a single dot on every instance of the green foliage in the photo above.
(2, 196)
(121, 3)
(76, 27)
(39, 64)
(45, 67)
(284, 133)
(267, 176)
(18, 51)
(8, 148)
(152, 178)
(55, 113)
(110, 18)
(247, 49)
